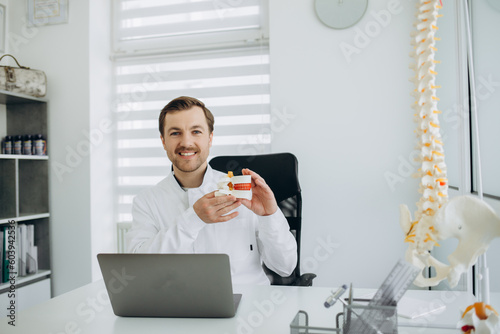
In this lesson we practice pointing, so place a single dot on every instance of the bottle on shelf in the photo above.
(27, 145)
(7, 145)
(39, 145)
(18, 145)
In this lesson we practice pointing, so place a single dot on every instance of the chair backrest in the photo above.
(280, 171)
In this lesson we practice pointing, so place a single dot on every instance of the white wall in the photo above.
(77, 98)
(350, 124)
(103, 227)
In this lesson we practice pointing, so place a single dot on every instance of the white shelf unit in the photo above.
(24, 188)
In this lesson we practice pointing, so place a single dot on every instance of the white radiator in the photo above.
(122, 229)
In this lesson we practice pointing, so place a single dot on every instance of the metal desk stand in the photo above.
(300, 325)
(377, 316)
(357, 319)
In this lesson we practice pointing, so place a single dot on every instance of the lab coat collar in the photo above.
(209, 183)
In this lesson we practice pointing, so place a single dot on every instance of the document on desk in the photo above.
(412, 308)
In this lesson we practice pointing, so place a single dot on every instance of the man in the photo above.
(181, 214)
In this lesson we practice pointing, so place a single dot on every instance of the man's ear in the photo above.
(211, 137)
(163, 143)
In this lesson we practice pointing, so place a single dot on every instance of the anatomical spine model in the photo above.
(421, 232)
(238, 186)
(466, 218)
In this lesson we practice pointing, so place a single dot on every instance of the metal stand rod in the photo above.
(482, 268)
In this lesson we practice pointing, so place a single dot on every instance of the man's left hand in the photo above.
(263, 202)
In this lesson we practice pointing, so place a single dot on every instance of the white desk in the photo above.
(263, 309)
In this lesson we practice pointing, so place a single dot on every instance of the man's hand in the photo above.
(263, 202)
(213, 209)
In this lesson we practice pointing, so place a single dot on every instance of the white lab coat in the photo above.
(164, 221)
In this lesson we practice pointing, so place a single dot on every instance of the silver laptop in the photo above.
(169, 285)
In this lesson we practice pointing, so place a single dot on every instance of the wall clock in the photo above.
(340, 14)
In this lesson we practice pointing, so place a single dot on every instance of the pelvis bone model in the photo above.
(466, 218)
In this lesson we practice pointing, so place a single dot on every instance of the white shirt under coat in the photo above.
(164, 221)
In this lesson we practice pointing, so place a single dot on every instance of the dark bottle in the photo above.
(18, 145)
(27, 145)
(7, 145)
(40, 145)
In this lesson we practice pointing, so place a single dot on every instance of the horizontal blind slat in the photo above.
(151, 79)
(141, 152)
(129, 190)
(245, 55)
(240, 150)
(194, 42)
(220, 7)
(215, 150)
(201, 92)
(230, 110)
(188, 28)
(143, 171)
(125, 108)
(226, 130)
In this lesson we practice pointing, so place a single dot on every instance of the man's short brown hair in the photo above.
(184, 103)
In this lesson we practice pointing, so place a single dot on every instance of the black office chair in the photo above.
(280, 171)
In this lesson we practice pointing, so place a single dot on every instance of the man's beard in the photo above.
(187, 166)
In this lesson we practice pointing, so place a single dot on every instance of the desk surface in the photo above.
(263, 309)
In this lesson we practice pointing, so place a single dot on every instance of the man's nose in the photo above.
(187, 140)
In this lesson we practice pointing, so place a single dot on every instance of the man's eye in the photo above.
(174, 133)
(197, 132)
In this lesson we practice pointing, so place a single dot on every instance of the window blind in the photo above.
(234, 84)
(156, 24)
(214, 50)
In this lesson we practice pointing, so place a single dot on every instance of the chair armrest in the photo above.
(305, 280)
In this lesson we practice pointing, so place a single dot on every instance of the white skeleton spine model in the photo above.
(473, 222)
(421, 232)
(433, 179)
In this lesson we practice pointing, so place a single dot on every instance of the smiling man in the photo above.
(181, 214)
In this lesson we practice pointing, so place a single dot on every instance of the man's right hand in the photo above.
(212, 209)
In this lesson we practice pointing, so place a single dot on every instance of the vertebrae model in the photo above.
(433, 181)
(466, 218)
(421, 232)
(238, 186)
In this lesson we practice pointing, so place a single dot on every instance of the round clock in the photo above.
(340, 14)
